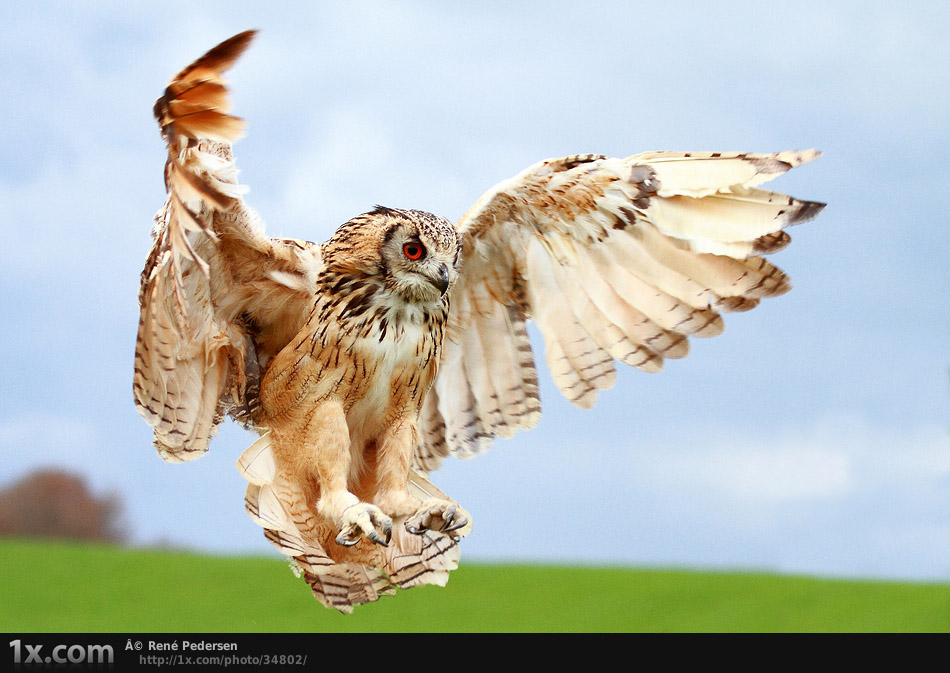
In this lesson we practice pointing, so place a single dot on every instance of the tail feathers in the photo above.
(421, 559)
(343, 577)
(342, 586)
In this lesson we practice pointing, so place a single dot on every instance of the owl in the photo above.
(361, 363)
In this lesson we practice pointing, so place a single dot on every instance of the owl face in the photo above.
(420, 256)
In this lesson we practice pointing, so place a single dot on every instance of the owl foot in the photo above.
(437, 515)
(364, 519)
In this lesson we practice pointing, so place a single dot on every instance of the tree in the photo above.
(54, 503)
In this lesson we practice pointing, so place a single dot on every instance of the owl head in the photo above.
(414, 254)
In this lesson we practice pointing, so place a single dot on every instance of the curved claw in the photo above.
(364, 519)
(448, 515)
(431, 513)
(461, 522)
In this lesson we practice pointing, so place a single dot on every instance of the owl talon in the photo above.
(448, 516)
(438, 515)
(459, 523)
(364, 519)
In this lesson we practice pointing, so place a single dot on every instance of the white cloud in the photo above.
(838, 458)
(762, 475)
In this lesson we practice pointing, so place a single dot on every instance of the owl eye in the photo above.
(413, 250)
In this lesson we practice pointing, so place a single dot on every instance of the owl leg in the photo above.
(322, 429)
(392, 494)
(392, 470)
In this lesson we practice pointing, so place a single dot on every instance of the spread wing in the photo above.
(218, 297)
(614, 259)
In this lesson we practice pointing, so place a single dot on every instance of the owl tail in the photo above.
(343, 577)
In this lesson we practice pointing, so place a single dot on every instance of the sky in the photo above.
(813, 437)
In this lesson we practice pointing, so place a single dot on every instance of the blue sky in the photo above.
(812, 437)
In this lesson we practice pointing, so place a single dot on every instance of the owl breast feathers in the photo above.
(365, 361)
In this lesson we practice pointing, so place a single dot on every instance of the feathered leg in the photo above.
(392, 486)
(315, 443)
(342, 577)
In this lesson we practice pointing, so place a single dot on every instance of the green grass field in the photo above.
(51, 587)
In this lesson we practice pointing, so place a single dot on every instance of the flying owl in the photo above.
(365, 361)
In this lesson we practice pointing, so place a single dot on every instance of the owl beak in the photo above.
(442, 280)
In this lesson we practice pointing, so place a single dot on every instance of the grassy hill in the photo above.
(50, 587)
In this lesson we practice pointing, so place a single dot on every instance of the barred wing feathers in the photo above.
(614, 259)
(218, 297)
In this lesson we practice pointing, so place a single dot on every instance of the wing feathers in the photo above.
(479, 406)
(196, 101)
(614, 259)
(211, 272)
(736, 217)
(579, 366)
(466, 433)
(700, 174)
(505, 402)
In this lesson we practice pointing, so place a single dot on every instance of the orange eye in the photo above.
(413, 250)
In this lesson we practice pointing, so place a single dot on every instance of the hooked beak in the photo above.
(442, 280)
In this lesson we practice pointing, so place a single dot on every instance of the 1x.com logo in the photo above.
(61, 654)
